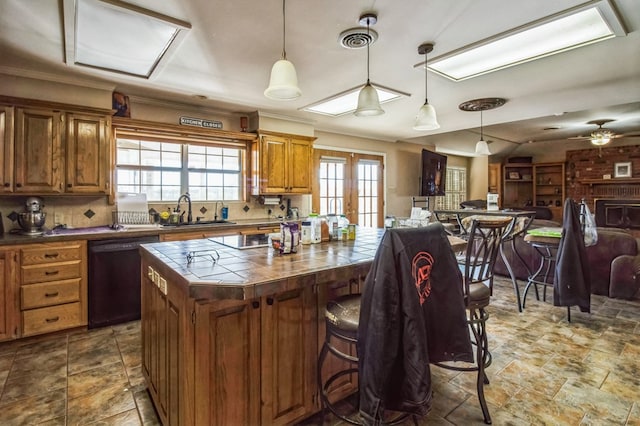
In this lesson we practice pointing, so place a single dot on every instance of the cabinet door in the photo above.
(6, 149)
(227, 364)
(38, 151)
(289, 355)
(274, 165)
(8, 301)
(87, 148)
(299, 166)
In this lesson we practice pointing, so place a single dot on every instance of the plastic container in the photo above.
(332, 221)
(306, 232)
(316, 228)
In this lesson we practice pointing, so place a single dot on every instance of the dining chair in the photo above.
(484, 239)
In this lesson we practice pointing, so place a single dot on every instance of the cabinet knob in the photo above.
(255, 304)
(69, 185)
(7, 184)
(269, 301)
(18, 185)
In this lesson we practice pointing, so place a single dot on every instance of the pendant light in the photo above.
(283, 84)
(475, 105)
(481, 146)
(368, 101)
(426, 118)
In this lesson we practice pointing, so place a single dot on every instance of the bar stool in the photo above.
(341, 320)
(485, 237)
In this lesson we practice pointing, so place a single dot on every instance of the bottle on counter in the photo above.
(306, 232)
(324, 229)
(332, 221)
(316, 231)
(343, 223)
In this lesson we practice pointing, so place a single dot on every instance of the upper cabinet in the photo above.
(54, 150)
(282, 164)
(38, 151)
(6, 148)
(88, 165)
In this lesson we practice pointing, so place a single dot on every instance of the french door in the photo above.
(351, 184)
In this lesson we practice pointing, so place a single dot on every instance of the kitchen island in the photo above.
(232, 336)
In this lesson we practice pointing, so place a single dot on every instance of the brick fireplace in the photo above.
(614, 200)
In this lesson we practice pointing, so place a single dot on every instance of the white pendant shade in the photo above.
(368, 102)
(482, 148)
(283, 85)
(426, 118)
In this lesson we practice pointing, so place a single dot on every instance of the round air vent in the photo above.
(356, 38)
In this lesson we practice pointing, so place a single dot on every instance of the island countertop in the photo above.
(220, 272)
(246, 273)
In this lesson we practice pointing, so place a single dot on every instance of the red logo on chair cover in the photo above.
(421, 270)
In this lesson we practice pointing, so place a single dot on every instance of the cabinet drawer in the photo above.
(53, 318)
(50, 272)
(45, 253)
(48, 294)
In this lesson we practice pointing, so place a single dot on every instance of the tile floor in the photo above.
(544, 371)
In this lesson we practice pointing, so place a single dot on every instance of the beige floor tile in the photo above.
(102, 404)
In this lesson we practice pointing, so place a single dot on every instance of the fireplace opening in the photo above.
(614, 213)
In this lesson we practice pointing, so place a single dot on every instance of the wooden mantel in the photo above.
(615, 181)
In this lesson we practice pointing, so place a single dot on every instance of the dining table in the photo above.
(520, 222)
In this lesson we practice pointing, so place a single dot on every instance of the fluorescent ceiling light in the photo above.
(347, 101)
(119, 37)
(585, 24)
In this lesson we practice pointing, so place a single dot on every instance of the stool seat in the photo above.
(343, 313)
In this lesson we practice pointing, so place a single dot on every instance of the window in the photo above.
(164, 169)
(455, 189)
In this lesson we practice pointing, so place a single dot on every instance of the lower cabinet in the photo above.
(8, 299)
(53, 289)
(232, 361)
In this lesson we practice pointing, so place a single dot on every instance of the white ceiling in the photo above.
(228, 53)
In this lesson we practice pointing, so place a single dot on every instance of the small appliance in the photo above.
(32, 219)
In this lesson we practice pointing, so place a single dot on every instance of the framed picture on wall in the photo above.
(514, 175)
(622, 170)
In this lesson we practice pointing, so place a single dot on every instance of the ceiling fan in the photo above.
(600, 136)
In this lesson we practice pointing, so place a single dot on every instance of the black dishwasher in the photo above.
(114, 280)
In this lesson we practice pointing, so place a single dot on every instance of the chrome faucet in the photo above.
(188, 198)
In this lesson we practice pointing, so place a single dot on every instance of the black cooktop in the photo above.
(243, 241)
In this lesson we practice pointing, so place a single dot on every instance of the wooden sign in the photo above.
(199, 122)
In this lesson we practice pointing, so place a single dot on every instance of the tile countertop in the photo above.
(106, 232)
(249, 273)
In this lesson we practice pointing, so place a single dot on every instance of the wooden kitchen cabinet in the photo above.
(282, 164)
(87, 154)
(53, 286)
(8, 300)
(517, 185)
(6, 148)
(38, 151)
(52, 148)
(495, 179)
(264, 354)
(229, 361)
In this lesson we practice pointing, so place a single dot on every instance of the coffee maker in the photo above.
(32, 219)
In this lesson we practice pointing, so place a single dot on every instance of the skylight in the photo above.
(119, 37)
(589, 23)
(347, 101)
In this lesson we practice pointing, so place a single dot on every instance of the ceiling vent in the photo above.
(356, 38)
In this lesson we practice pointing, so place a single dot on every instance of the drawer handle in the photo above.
(50, 320)
(51, 294)
(51, 255)
(51, 272)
